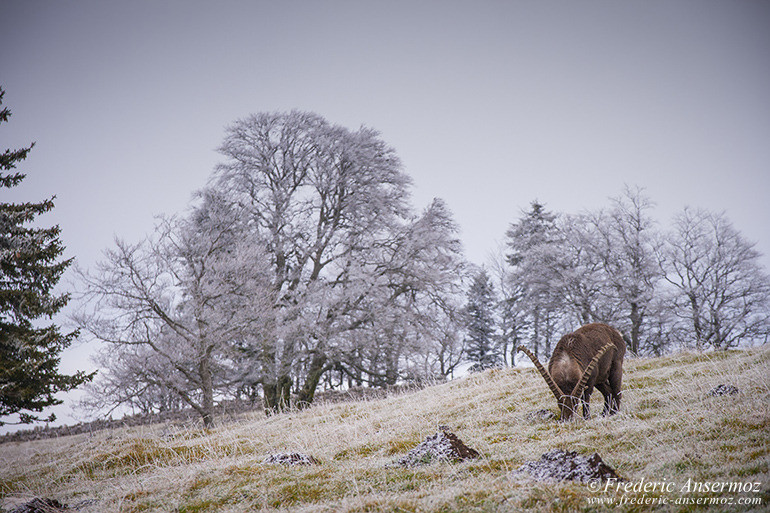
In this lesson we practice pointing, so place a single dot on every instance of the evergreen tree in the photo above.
(534, 245)
(480, 343)
(29, 270)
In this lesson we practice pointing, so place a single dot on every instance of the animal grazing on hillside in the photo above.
(590, 357)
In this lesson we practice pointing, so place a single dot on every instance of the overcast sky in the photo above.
(490, 105)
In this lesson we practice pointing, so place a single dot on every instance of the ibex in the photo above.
(590, 357)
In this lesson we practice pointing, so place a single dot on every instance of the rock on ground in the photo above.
(723, 389)
(568, 466)
(46, 505)
(444, 445)
(40, 506)
(294, 458)
(540, 416)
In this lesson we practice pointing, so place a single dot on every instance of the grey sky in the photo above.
(489, 104)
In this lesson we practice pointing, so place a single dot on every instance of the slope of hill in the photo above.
(671, 434)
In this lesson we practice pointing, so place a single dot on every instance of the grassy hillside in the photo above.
(669, 431)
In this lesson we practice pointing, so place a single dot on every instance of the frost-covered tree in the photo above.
(446, 350)
(702, 282)
(174, 310)
(721, 292)
(304, 257)
(579, 273)
(480, 344)
(511, 308)
(599, 266)
(627, 245)
(533, 248)
(409, 316)
(30, 268)
(347, 257)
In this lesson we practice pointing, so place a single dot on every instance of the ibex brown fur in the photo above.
(590, 357)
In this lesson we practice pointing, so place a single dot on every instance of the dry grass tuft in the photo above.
(669, 429)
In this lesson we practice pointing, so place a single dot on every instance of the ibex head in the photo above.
(568, 402)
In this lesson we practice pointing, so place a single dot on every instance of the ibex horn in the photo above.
(548, 379)
(581, 386)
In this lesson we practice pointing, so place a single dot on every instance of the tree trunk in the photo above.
(284, 387)
(269, 391)
(277, 395)
(585, 313)
(315, 371)
(207, 390)
(504, 347)
(391, 371)
(636, 325)
(696, 321)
